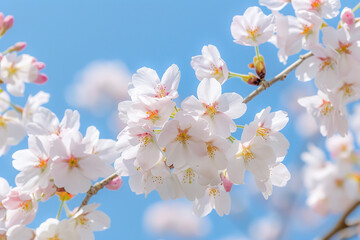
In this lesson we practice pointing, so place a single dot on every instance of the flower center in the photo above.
(326, 107)
(153, 116)
(211, 149)
(2, 122)
(246, 154)
(27, 205)
(216, 72)
(326, 63)
(145, 139)
(189, 176)
(211, 110)
(347, 90)
(12, 70)
(344, 48)
(54, 238)
(263, 132)
(316, 5)
(213, 192)
(42, 164)
(253, 33)
(183, 136)
(73, 162)
(160, 91)
(307, 30)
(157, 179)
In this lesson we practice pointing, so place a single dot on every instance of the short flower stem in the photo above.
(60, 208)
(67, 210)
(257, 52)
(240, 126)
(356, 7)
(237, 75)
(157, 131)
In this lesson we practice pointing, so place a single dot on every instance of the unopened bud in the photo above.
(253, 80)
(348, 17)
(114, 184)
(19, 46)
(41, 79)
(8, 22)
(226, 182)
(39, 65)
(260, 66)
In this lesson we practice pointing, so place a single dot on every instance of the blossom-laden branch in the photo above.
(97, 187)
(280, 76)
(341, 224)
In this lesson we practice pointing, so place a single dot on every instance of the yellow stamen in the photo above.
(183, 136)
(152, 116)
(246, 154)
(189, 176)
(211, 110)
(73, 162)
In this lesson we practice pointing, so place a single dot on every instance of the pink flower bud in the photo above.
(226, 182)
(39, 65)
(1, 19)
(19, 46)
(42, 78)
(8, 22)
(114, 184)
(348, 17)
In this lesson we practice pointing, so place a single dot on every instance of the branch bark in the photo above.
(97, 187)
(341, 224)
(280, 76)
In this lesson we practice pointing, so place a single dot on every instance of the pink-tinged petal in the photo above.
(71, 120)
(148, 156)
(279, 120)
(146, 79)
(307, 69)
(192, 104)
(171, 78)
(222, 125)
(209, 91)
(169, 133)
(24, 159)
(232, 105)
(202, 206)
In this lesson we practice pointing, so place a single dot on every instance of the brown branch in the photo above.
(341, 224)
(280, 76)
(97, 187)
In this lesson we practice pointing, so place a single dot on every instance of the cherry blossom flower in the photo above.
(34, 164)
(323, 66)
(32, 105)
(215, 197)
(21, 207)
(20, 232)
(146, 82)
(184, 138)
(87, 220)
(279, 176)
(324, 8)
(140, 142)
(189, 184)
(251, 153)
(327, 112)
(4, 190)
(253, 28)
(73, 168)
(210, 65)
(12, 130)
(295, 33)
(46, 122)
(55, 229)
(16, 70)
(216, 108)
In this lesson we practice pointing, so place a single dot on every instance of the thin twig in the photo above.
(341, 224)
(280, 76)
(97, 187)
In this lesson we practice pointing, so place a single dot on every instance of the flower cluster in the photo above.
(58, 159)
(189, 151)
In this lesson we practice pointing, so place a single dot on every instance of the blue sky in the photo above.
(68, 35)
